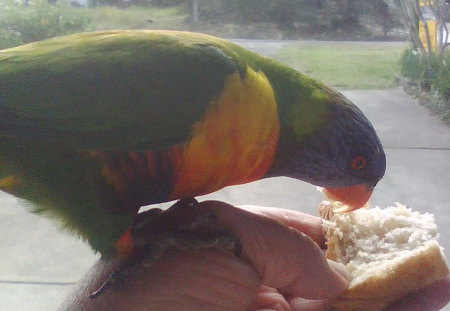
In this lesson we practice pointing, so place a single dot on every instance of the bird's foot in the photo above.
(182, 226)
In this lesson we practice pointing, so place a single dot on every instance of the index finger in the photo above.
(308, 224)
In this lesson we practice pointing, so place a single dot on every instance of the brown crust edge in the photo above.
(377, 292)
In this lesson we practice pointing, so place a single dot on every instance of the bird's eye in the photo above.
(358, 163)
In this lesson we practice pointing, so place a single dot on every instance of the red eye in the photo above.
(358, 163)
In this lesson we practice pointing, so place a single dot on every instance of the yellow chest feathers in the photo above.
(235, 142)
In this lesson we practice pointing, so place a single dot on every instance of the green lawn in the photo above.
(103, 18)
(349, 65)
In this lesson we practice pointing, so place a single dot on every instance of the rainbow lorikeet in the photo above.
(95, 125)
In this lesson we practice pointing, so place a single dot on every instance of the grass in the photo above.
(349, 65)
(103, 18)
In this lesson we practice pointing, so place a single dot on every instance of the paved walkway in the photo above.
(39, 263)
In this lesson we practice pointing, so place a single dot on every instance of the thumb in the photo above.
(284, 257)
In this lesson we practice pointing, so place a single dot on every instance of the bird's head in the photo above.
(331, 144)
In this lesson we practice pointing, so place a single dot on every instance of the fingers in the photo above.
(284, 257)
(432, 298)
(300, 304)
(308, 224)
(270, 299)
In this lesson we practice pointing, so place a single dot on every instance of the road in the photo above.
(39, 262)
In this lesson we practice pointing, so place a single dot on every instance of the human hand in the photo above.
(281, 266)
(431, 298)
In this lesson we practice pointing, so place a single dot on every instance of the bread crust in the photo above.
(425, 265)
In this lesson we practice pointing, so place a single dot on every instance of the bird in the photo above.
(95, 125)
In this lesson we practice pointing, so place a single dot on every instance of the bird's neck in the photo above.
(303, 107)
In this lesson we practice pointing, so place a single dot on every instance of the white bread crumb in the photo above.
(378, 246)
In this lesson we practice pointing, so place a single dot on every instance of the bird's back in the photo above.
(107, 122)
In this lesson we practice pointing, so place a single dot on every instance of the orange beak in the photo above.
(353, 197)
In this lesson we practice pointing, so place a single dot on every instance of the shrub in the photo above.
(441, 81)
(40, 20)
(429, 73)
(410, 65)
(9, 38)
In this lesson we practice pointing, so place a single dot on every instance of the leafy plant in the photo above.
(441, 80)
(40, 20)
(410, 64)
(9, 39)
(431, 73)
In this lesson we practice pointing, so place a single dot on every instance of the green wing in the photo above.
(111, 90)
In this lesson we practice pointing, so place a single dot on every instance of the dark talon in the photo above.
(237, 247)
(182, 226)
(231, 243)
(186, 203)
(110, 281)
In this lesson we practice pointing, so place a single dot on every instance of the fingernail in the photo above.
(340, 268)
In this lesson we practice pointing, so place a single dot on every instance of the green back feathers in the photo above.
(109, 90)
(103, 90)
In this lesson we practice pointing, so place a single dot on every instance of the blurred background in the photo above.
(389, 57)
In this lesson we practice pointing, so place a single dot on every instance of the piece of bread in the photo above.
(389, 253)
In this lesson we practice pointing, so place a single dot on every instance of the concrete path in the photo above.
(39, 263)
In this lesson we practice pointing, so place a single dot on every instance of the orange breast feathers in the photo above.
(234, 143)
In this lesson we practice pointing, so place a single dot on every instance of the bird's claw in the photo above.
(182, 226)
(112, 280)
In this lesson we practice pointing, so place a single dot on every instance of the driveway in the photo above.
(40, 263)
